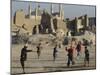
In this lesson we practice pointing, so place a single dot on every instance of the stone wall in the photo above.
(35, 21)
(19, 18)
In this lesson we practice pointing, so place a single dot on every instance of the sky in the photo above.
(70, 10)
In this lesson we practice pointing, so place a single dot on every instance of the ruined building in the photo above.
(40, 21)
(78, 24)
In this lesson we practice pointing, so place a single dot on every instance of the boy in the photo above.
(86, 59)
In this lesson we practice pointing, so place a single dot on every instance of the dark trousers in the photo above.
(78, 52)
(54, 56)
(38, 53)
(86, 59)
(22, 64)
(70, 59)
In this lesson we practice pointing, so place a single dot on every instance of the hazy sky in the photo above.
(70, 11)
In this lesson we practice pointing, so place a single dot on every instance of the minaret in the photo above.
(86, 21)
(61, 13)
(36, 11)
(37, 8)
(36, 17)
(60, 9)
(51, 8)
(29, 11)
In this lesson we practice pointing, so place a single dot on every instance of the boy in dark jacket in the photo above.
(39, 50)
(86, 59)
(55, 52)
(23, 56)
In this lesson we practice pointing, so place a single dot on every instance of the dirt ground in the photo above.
(45, 63)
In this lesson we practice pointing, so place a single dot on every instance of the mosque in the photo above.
(40, 21)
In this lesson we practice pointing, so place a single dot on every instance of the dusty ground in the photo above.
(46, 63)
